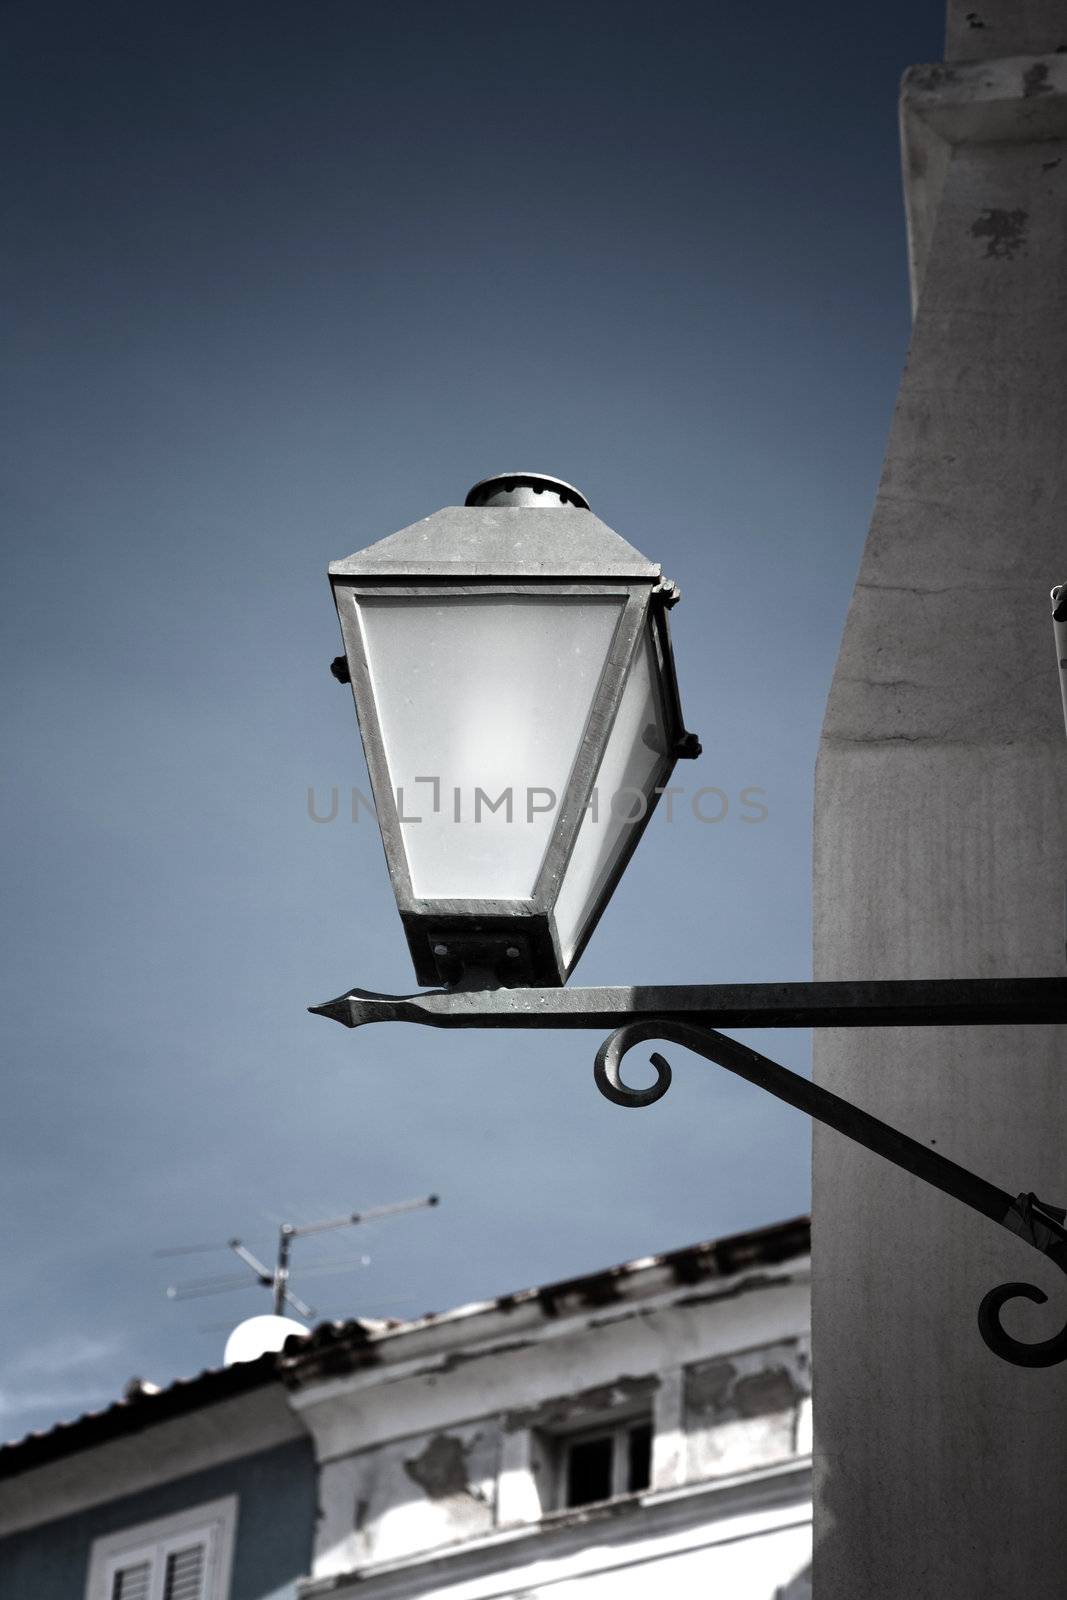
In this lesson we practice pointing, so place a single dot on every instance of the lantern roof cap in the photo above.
(501, 541)
(533, 489)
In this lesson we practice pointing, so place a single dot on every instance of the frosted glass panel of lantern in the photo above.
(489, 696)
(635, 757)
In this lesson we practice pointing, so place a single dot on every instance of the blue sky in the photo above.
(281, 279)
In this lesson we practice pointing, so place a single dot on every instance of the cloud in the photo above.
(65, 1353)
(54, 1402)
(59, 1377)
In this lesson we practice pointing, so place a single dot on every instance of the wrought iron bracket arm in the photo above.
(918, 1002)
(1040, 1224)
(690, 1014)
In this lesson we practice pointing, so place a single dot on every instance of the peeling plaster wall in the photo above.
(744, 1411)
(425, 1491)
(741, 1540)
(443, 1463)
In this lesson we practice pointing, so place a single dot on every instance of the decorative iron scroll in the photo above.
(1026, 1216)
(688, 1014)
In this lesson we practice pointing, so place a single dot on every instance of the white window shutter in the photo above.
(185, 1556)
(132, 1582)
(186, 1573)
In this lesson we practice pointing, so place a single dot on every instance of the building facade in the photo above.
(649, 1424)
(940, 851)
(205, 1490)
(646, 1425)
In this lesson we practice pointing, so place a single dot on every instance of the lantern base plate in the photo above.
(492, 952)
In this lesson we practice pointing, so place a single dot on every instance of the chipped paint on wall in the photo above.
(1035, 80)
(1004, 232)
(440, 1468)
(743, 1411)
(588, 1405)
(451, 1448)
(422, 1492)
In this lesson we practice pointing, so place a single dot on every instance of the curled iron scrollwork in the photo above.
(606, 1070)
(1039, 1224)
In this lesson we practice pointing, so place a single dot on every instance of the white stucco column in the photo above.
(940, 851)
(336, 1536)
(517, 1499)
(668, 1439)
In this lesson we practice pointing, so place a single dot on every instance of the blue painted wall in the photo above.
(275, 1528)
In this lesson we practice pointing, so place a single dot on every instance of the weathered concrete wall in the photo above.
(984, 28)
(423, 1492)
(441, 1466)
(940, 851)
(743, 1411)
(689, 1550)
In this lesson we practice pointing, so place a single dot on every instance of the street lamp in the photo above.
(511, 663)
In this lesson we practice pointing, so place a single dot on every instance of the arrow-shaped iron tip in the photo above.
(359, 1006)
(339, 1010)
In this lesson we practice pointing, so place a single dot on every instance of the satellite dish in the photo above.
(255, 1336)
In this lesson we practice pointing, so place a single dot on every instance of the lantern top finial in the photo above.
(532, 489)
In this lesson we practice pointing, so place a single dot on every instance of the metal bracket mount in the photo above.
(690, 1015)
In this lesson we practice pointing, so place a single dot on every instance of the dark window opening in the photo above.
(589, 1463)
(602, 1465)
(639, 1467)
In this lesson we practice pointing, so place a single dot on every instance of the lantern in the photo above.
(511, 665)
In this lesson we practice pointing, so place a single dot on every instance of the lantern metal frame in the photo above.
(515, 941)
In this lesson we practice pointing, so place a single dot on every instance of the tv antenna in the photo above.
(277, 1278)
